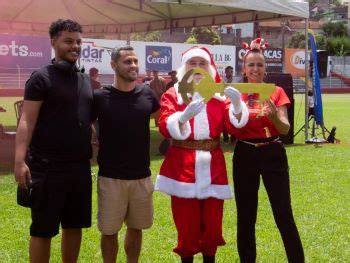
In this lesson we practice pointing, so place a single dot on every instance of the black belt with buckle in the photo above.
(261, 142)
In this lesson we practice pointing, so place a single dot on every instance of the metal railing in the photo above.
(14, 77)
(341, 65)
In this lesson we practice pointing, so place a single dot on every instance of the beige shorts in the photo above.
(128, 201)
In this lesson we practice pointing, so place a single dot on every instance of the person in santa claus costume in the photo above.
(194, 171)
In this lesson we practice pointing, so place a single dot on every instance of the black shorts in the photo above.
(67, 201)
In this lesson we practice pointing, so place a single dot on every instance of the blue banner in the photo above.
(158, 58)
(316, 82)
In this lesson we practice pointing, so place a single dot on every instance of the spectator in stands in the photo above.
(158, 85)
(173, 80)
(53, 147)
(228, 74)
(93, 73)
(148, 78)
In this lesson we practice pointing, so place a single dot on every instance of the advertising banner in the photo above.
(273, 58)
(97, 53)
(160, 56)
(35, 52)
(223, 55)
(24, 51)
(295, 62)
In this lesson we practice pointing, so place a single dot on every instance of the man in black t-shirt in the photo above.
(124, 184)
(53, 147)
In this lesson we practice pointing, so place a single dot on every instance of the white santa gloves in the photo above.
(191, 110)
(235, 97)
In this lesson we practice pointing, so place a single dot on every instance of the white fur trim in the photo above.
(173, 127)
(191, 190)
(195, 52)
(201, 125)
(181, 71)
(202, 169)
(178, 95)
(219, 97)
(244, 117)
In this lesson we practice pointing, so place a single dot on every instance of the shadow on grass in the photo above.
(296, 145)
(316, 145)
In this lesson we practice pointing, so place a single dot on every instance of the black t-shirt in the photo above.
(63, 130)
(124, 133)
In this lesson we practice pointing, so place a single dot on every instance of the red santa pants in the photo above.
(198, 224)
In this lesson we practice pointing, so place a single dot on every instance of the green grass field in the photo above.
(320, 189)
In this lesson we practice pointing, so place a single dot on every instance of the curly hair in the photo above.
(64, 25)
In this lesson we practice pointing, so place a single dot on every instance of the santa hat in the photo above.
(204, 53)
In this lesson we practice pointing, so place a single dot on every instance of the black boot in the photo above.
(187, 260)
(208, 259)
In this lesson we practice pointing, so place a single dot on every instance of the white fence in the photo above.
(341, 65)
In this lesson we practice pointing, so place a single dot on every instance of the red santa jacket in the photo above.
(193, 173)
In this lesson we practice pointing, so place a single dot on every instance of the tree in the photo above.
(337, 2)
(335, 46)
(337, 29)
(338, 46)
(153, 36)
(321, 42)
(297, 41)
(204, 35)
